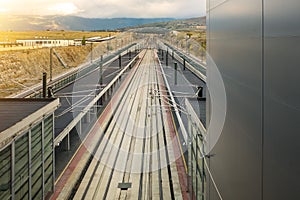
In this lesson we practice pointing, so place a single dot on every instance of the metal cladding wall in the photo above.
(281, 172)
(256, 45)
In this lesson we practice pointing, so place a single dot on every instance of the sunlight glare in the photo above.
(64, 8)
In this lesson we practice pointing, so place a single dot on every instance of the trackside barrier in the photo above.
(198, 69)
(68, 78)
(196, 156)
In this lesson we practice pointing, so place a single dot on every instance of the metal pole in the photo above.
(13, 158)
(44, 84)
(68, 142)
(51, 62)
(175, 66)
(101, 76)
(29, 164)
(91, 52)
(129, 54)
(167, 58)
(190, 128)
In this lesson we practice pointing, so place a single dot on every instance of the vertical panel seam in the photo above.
(263, 99)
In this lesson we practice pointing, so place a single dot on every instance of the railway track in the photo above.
(132, 157)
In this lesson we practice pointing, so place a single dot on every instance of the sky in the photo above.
(106, 8)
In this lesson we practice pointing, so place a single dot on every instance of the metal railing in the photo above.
(69, 77)
(197, 68)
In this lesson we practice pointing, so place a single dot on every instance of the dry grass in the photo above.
(11, 36)
(23, 68)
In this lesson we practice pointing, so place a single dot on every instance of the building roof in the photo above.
(17, 115)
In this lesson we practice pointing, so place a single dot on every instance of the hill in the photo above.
(192, 24)
(25, 23)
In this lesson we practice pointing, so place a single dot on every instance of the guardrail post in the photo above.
(44, 84)
(79, 128)
(120, 61)
(69, 142)
(190, 129)
(167, 58)
(101, 75)
(91, 52)
(173, 55)
(162, 55)
(175, 66)
(101, 100)
(88, 116)
(66, 143)
(184, 63)
(129, 54)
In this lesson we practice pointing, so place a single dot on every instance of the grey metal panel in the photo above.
(282, 100)
(235, 44)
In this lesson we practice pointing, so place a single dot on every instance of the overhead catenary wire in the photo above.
(72, 107)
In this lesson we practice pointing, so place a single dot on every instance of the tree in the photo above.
(83, 42)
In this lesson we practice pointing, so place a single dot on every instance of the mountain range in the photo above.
(25, 23)
(198, 23)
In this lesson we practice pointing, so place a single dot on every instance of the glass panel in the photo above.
(48, 127)
(36, 148)
(21, 162)
(37, 183)
(48, 161)
(38, 195)
(48, 155)
(5, 173)
(22, 193)
(36, 176)
(49, 180)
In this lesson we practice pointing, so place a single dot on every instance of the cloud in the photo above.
(108, 8)
(64, 8)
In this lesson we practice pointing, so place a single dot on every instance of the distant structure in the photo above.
(78, 42)
(27, 169)
(46, 43)
(58, 43)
